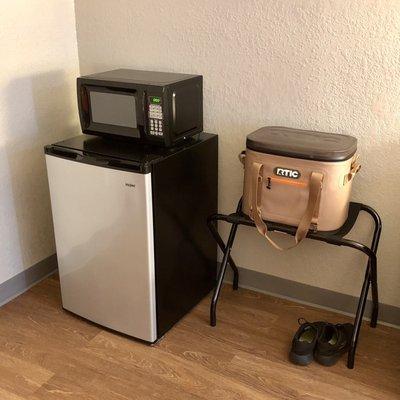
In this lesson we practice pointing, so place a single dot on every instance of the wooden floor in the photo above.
(47, 353)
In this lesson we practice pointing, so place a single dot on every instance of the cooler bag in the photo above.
(299, 178)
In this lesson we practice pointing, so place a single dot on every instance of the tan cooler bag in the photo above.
(299, 178)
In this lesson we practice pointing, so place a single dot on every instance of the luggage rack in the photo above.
(332, 237)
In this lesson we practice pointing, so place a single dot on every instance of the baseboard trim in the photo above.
(311, 295)
(20, 283)
(249, 279)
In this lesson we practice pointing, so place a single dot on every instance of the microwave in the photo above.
(158, 108)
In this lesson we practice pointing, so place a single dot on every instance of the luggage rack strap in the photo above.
(240, 218)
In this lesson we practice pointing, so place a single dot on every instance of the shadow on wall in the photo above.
(39, 110)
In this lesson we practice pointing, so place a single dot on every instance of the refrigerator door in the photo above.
(103, 224)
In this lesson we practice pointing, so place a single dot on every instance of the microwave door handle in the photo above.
(145, 110)
(173, 108)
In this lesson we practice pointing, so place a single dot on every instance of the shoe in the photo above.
(332, 343)
(304, 341)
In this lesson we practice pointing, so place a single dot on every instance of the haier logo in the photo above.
(287, 173)
(130, 185)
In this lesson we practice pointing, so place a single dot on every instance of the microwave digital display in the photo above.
(155, 100)
(113, 109)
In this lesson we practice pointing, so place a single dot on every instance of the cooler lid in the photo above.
(298, 143)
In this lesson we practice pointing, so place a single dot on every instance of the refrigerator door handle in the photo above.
(66, 153)
(124, 164)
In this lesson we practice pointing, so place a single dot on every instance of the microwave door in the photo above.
(115, 112)
(113, 108)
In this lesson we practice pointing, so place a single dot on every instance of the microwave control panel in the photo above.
(155, 116)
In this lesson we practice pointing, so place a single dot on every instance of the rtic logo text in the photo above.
(287, 173)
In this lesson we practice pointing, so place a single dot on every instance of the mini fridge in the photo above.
(134, 252)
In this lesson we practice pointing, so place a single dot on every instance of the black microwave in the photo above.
(159, 108)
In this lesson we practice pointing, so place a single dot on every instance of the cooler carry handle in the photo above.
(310, 214)
(354, 168)
(242, 157)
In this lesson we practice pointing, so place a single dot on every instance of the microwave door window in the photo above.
(113, 109)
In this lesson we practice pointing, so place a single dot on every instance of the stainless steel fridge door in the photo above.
(103, 224)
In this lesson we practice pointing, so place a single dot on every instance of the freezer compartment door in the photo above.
(103, 224)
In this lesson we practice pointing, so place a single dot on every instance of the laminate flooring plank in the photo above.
(47, 353)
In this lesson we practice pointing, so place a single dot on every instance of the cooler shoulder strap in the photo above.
(310, 215)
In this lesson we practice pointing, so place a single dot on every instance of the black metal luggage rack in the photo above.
(333, 237)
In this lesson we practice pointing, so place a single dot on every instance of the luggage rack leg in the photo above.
(373, 274)
(369, 279)
(211, 225)
(221, 274)
(221, 244)
(226, 250)
(358, 318)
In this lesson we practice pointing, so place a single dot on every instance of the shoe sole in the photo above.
(300, 359)
(327, 361)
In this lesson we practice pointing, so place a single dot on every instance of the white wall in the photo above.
(38, 68)
(320, 64)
